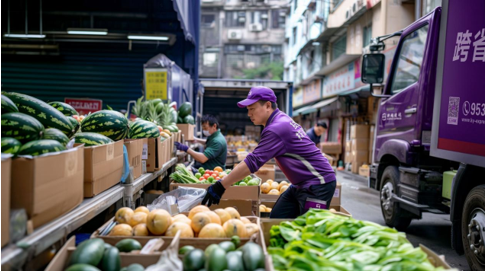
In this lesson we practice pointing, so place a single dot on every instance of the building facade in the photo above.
(242, 39)
(325, 41)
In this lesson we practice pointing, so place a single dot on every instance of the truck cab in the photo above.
(409, 168)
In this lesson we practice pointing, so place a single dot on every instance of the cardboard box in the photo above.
(266, 172)
(364, 171)
(48, 186)
(6, 178)
(135, 150)
(61, 259)
(196, 242)
(360, 144)
(337, 196)
(348, 145)
(187, 130)
(360, 156)
(348, 157)
(233, 192)
(103, 167)
(359, 131)
(244, 207)
(331, 147)
(154, 157)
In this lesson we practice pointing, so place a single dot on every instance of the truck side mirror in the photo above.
(373, 68)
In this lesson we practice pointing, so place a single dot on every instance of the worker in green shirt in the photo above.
(215, 151)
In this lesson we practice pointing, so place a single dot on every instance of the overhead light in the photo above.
(25, 36)
(146, 37)
(87, 31)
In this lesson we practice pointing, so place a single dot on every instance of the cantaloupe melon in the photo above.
(199, 221)
(185, 230)
(123, 215)
(223, 215)
(158, 221)
(233, 213)
(121, 230)
(141, 230)
(212, 230)
(197, 209)
(235, 227)
(214, 217)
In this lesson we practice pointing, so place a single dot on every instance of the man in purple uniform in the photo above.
(311, 176)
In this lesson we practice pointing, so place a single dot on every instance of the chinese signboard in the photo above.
(84, 106)
(298, 97)
(311, 92)
(341, 80)
(462, 112)
(156, 84)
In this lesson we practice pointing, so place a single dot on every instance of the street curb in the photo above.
(354, 176)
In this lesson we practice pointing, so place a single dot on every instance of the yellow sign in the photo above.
(156, 85)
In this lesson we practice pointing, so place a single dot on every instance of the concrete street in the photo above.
(433, 231)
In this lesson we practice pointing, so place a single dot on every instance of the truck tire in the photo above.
(393, 215)
(473, 228)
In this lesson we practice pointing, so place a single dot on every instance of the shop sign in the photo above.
(311, 92)
(371, 3)
(298, 97)
(341, 80)
(156, 84)
(84, 106)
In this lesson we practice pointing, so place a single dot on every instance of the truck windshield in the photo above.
(410, 60)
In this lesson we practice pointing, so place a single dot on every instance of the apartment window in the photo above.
(295, 5)
(210, 59)
(278, 18)
(431, 4)
(294, 35)
(339, 47)
(235, 18)
(260, 17)
(336, 3)
(208, 20)
(367, 35)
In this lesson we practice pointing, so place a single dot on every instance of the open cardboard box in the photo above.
(336, 199)
(187, 130)
(266, 172)
(49, 185)
(270, 204)
(6, 178)
(103, 167)
(196, 242)
(61, 259)
(266, 224)
(233, 192)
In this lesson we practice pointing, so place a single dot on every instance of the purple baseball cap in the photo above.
(256, 94)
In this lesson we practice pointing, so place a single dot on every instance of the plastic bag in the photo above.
(179, 200)
(169, 259)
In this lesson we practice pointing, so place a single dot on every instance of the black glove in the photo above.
(214, 194)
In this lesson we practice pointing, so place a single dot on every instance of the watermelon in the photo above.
(91, 139)
(22, 127)
(180, 120)
(42, 146)
(160, 107)
(172, 128)
(144, 129)
(74, 123)
(65, 109)
(10, 145)
(174, 114)
(185, 109)
(155, 101)
(43, 112)
(108, 123)
(55, 134)
(189, 119)
(8, 106)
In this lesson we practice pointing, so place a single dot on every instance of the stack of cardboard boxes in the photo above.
(359, 135)
(252, 132)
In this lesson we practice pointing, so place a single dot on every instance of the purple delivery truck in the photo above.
(429, 150)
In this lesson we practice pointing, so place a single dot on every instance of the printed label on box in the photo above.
(110, 152)
(144, 154)
(143, 166)
(336, 193)
(71, 163)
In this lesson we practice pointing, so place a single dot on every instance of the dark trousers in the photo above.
(291, 203)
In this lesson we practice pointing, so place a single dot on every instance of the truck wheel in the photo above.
(473, 228)
(392, 213)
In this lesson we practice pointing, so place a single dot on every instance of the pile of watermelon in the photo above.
(185, 114)
(33, 127)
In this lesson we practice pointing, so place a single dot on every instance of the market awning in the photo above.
(362, 92)
(187, 23)
(324, 103)
(304, 110)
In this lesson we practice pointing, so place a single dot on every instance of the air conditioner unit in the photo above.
(234, 34)
(256, 27)
(264, 16)
(347, 14)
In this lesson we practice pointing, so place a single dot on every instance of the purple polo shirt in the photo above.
(296, 155)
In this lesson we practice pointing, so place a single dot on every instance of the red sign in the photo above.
(84, 106)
